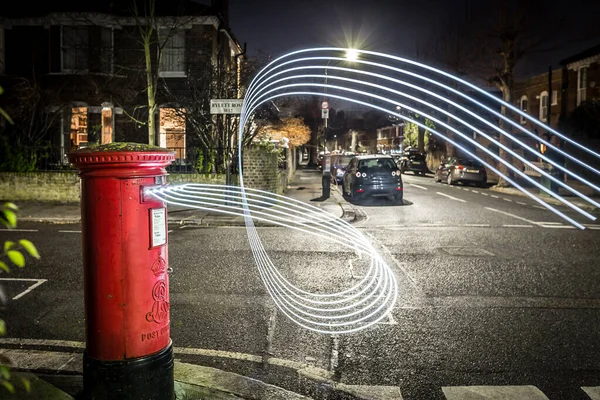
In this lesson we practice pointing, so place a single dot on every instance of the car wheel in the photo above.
(398, 199)
(449, 180)
(436, 178)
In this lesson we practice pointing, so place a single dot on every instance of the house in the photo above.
(553, 96)
(89, 65)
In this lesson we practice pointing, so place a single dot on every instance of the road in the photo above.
(493, 292)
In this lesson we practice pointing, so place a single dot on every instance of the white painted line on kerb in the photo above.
(18, 230)
(494, 196)
(418, 186)
(450, 197)
(512, 215)
(29, 289)
(70, 231)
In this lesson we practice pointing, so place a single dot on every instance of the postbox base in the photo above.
(147, 378)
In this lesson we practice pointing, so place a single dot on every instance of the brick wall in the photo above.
(64, 187)
(260, 171)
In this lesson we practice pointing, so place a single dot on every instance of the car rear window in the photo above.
(374, 164)
(469, 162)
(417, 157)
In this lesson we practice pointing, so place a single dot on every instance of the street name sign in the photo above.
(226, 106)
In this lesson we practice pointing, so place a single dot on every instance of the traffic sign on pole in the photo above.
(325, 105)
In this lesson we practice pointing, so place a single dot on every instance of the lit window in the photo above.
(74, 48)
(172, 62)
(523, 107)
(107, 125)
(554, 97)
(79, 128)
(172, 130)
(581, 84)
(544, 106)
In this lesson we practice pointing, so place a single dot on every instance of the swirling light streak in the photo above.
(533, 151)
(429, 116)
(370, 300)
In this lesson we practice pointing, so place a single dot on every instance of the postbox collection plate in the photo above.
(158, 226)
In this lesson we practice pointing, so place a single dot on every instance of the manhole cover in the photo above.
(466, 251)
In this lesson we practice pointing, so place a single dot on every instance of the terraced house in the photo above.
(138, 71)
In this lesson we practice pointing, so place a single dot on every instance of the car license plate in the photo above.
(416, 162)
(474, 171)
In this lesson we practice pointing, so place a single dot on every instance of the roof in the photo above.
(370, 156)
(593, 51)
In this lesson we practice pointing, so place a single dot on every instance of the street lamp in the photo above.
(352, 54)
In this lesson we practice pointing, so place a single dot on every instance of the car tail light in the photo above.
(459, 167)
(399, 188)
(358, 174)
(360, 190)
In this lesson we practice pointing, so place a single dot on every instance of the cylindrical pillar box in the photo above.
(128, 351)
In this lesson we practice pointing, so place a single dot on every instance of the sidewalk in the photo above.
(305, 187)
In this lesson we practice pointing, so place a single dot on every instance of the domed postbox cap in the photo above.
(122, 156)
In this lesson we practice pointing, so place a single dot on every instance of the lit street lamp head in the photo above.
(352, 54)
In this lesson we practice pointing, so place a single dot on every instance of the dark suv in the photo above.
(412, 161)
(373, 176)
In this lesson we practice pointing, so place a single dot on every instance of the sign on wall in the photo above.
(226, 106)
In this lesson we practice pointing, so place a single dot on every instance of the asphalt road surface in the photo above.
(494, 291)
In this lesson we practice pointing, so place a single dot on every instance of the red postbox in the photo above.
(126, 286)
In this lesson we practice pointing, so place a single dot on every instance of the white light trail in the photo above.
(372, 298)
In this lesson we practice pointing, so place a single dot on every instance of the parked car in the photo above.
(464, 170)
(413, 161)
(339, 162)
(373, 176)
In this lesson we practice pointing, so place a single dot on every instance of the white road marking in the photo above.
(592, 391)
(595, 227)
(418, 186)
(540, 207)
(29, 289)
(494, 196)
(517, 226)
(69, 231)
(478, 225)
(528, 392)
(521, 203)
(18, 230)
(505, 199)
(512, 215)
(450, 197)
(550, 223)
(485, 194)
(474, 191)
(558, 226)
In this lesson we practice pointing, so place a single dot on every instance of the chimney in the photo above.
(221, 7)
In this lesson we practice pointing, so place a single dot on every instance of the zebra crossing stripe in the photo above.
(493, 393)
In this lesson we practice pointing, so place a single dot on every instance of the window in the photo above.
(544, 106)
(172, 130)
(106, 51)
(554, 97)
(172, 62)
(79, 128)
(107, 125)
(2, 67)
(74, 42)
(581, 84)
(523, 107)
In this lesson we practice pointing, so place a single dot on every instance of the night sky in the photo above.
(400, 27)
